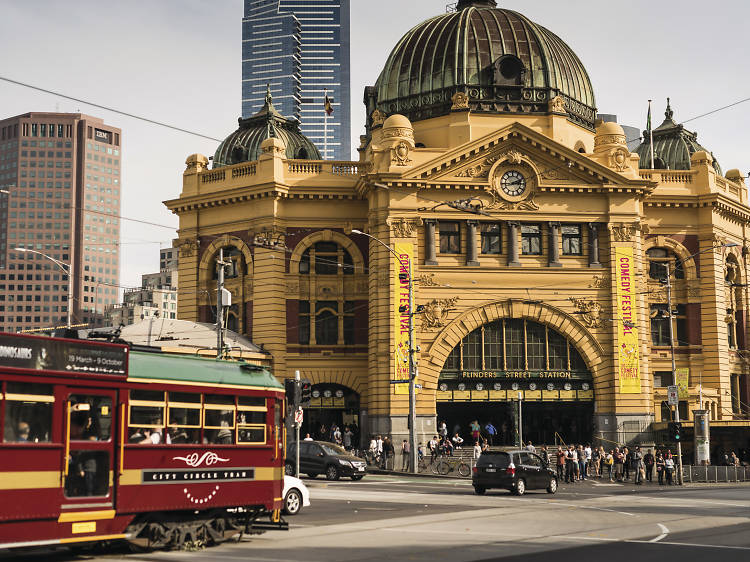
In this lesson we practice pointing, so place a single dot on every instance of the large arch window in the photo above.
(659, 258)
(326, 258)
(238, 267)
(513, 345)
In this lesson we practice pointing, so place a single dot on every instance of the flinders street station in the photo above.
(539, 246)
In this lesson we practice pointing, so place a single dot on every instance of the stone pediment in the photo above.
(550, 163)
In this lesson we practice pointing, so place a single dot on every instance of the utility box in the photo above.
(702, 437)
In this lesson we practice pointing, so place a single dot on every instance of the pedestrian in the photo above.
(596, 460)
(443, 429)
(560, 456)
(668, 467)
(626, 463)
(571, 463)
(405, 455)
(388, 453)
(637, 465)
(545, 455)
(379, 450)
(448, 447)
(581, 463)
(733, 460)
(307, 437)
(618, 459)
(530, 448)
(432, 445)
(589, 459)
(348, 435)
(475, 431)
(660, 468)
(609, 462)
(457, 441)
(491, 431)
(648, 462)
(477, 450)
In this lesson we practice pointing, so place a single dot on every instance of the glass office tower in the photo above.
(301, 49)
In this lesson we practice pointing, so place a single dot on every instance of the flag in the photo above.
(327, 104)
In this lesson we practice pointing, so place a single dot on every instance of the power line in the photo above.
(113, 110)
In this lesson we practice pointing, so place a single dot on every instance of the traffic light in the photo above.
(292, 389)
(674, 429)
(305, 392)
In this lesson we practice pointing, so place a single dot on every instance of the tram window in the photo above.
(90, 418)
(88, 474)
(148, 395)
(258, 401)
(28, 413)
(185, 397)
(146, 419)
(184, 418)
(219, 419)
(251, 426)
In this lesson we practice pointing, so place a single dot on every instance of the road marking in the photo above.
(598, 509)
(664, 533)
(635, 541)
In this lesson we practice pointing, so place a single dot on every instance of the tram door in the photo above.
(89, 437)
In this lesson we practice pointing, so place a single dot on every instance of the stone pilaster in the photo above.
(269, 306)
(554, 244)
(429, 242)
(472, 228)
(513, 227)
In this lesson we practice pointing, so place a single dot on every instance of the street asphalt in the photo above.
(393, 517)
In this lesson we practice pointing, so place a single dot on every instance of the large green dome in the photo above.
(504, 62)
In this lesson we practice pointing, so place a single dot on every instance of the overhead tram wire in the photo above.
(107, 108)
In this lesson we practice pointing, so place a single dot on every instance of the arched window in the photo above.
(659, 259)
(326, 258)
(238, 267)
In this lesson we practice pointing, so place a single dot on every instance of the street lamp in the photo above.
(67, 268)
(670, 313)
(412, 364)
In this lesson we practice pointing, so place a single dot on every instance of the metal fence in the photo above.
(715, 473)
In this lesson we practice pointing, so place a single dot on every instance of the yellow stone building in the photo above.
(538, 243)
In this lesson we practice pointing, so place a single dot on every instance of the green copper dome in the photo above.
(503, 61)
(243, 145)
(673, 146)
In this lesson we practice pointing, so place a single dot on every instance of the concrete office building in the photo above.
(60, 181)
(300, 48)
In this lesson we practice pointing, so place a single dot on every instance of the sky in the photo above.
(179, 62)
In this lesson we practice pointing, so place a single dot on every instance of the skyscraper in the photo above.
(60, 197)
(301, 49)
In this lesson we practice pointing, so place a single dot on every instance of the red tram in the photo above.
(100, 443)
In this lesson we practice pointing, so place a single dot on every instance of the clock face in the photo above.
(513, 183)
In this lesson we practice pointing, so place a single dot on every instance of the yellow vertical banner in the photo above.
(627, 322)
(401, 311)
(682, 380)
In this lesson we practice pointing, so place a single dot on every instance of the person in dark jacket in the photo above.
(648, 461)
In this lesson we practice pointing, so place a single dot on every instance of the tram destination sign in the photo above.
(47, 354)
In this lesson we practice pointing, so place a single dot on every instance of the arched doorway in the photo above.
(332, 404)
(499, 362)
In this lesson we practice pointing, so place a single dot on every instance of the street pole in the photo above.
(412, 420)
(674, 372)
(296, 431)
(220, 305)
(520, 420)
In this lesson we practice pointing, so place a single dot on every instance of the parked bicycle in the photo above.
(444, 465)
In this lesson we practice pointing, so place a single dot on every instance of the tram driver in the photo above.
(22, 432)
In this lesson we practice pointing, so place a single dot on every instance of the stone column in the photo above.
(513, 227)
(554, 244)
(594, 245)
(471, 243)
(430, 257)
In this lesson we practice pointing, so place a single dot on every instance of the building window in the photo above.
(450, 238)
(531, 239)
(571, 239)
(490, 234)
(659, 259)
(326, 258)
(237, 268)
(663, 379)
(660, 325)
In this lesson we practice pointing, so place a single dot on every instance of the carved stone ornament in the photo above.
(480, 170)
(404, 228)
(292, 286)
(718, 243)
(513, 157)
(460, 101)
(604, 140)
(435, 313)
(427, 280)
(400, 154)
(557, 105)
(601, 281)
(378, 117)
(618, 159)
(398, 132)
(187, 247)
(590, 311)
(622, 232)
(525, 205)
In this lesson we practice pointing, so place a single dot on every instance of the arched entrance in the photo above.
(499, 362)
(331, 404)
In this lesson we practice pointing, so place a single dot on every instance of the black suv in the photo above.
(321, 457)
(513, 470)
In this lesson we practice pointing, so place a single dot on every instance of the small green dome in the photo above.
(503, 61)
(673, 146)
(243, 145)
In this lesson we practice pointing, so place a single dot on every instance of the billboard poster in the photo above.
(627, 322)
(682, 380)
(405, 251)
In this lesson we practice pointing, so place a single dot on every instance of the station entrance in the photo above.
(511, 360)
(331, 404)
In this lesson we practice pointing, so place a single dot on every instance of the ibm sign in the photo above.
(103, 136)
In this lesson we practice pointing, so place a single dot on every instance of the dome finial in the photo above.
(269, 98)
(668, 113)
(476, 4)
